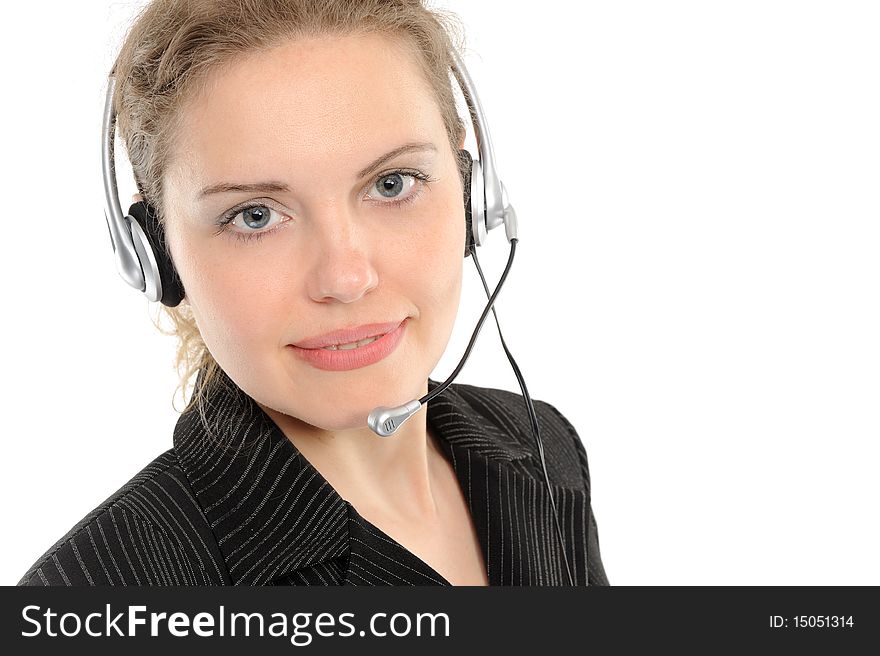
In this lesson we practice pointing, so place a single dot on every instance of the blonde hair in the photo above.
(173, 47)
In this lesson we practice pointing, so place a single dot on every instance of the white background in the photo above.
(696, 286)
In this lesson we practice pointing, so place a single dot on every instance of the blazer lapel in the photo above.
(501, 477)
(378, 559)
(271, 511)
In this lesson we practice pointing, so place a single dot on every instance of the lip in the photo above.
(347, 335)
(344, 360)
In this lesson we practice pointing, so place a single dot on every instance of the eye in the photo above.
(253, 220)
(256, 217)
(396, 186)
(392, 185)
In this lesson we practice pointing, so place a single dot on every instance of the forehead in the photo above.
(307, 100)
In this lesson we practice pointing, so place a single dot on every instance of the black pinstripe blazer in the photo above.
(256, 512)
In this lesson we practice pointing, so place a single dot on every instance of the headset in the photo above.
(144, 262)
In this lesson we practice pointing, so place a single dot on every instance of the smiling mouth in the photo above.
(353, 345)
(346, 339)
(357, 354)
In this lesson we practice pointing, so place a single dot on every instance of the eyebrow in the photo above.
(280, 187)
(412, 147)
(229, 187)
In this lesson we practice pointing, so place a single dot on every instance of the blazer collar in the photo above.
(273, 513)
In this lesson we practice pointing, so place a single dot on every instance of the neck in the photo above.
(393, 475)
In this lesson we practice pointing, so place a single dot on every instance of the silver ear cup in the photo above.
(478, 204)
(152, 280)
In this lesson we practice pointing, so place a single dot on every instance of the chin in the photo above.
(333, 420)
(335, 411)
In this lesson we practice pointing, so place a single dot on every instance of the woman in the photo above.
(302, 172)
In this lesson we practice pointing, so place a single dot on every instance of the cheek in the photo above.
(436, 260)
(225, 295)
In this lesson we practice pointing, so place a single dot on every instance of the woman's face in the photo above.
(357, 218)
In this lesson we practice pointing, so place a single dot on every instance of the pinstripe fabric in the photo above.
(235, 503)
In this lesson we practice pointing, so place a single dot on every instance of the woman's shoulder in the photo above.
(564, 449)
(151, 531)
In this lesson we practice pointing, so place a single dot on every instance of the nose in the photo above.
(343, 268)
